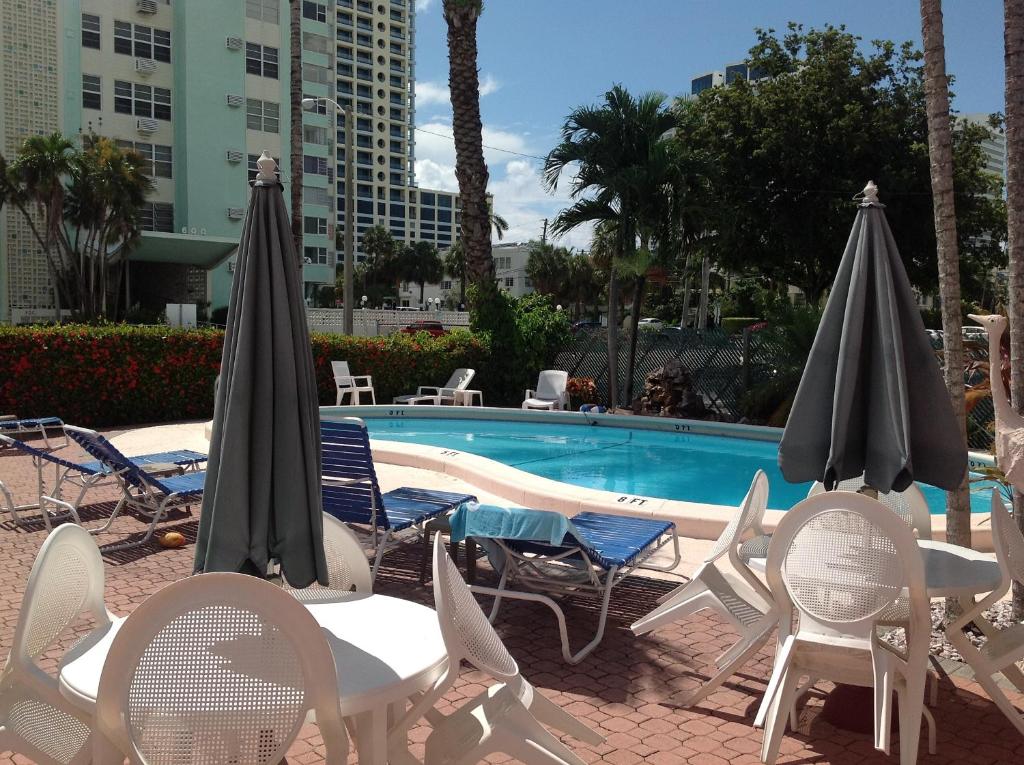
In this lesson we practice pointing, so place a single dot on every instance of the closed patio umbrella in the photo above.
(871, 399)
(262, 498)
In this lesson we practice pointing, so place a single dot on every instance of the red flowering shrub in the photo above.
(123, 374)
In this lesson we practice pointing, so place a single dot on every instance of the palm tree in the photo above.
(547, 267)
(940, 151)
(454, 262)
(470, 168)
(1013, 18)
(612, 145)
(500, 226)
(295, 117)
(421, 265)
(582, 286)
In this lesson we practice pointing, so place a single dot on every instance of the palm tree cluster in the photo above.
(389, 263)
(83, 207)
(567, 277)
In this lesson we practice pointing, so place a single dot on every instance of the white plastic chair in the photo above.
(909, 504)
(550, 393)
(66, 582)
(353, 386)
(348, 570)
(216, 668)
(1003, 648)
(839, 560)
(460, 380)
(506, 717)
(742, 601)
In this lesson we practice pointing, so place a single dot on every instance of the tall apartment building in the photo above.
(200, 89)
(733, 72)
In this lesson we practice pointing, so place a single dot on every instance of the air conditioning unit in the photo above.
(233, 155)
(146, 126)
(234, 100)
(146, 6)
(145, 66)
(231, 266)
(236, 213)
(233, 43)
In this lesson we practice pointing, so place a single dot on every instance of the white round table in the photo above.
(950, 571)
(385, 650)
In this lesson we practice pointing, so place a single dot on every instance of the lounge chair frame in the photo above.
(36, 425)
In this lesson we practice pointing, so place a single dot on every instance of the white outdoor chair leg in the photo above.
(802, 691)
(911, 712)
(930, 719)
(779, 716)
(113, 516)
(782, 660)
(999, 698)
(552, 715)
(725, 672)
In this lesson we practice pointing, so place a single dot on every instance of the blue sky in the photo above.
(541, 58)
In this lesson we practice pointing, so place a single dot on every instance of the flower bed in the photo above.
(122, 374)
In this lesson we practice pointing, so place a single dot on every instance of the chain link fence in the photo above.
(723, 366)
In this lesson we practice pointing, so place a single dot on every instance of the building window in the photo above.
(314, 73)
(314, 195)
(316, 255)
(446, 284)
(142, 41)
(315, 226)
(142, 100)
(262, 115)
(261, 60)
(91, 92)
(316, 43)
(263, 10)
(510, 281)
(314, 11)
(90, 31)
(159, 159)
(316, 135)
(503, 262)
(314, 165)
(319, 104)
(157, 216)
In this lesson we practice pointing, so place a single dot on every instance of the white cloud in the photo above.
(429, 93)
(422, 5)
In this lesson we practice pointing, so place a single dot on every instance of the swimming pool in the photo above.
(693, 467)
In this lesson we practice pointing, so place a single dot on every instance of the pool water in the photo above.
(697, 468)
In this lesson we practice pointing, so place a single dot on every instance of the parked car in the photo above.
(657, 324)
(432, 327)
(585, 326)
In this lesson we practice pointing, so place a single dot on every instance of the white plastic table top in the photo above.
(385, 650)
(950, 571)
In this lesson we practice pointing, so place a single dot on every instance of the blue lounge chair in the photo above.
(33, 425)
(351, 492)
(82, 475)
(539, 551)
(143, 492)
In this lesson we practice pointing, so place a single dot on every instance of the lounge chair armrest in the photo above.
(361, 380)
(343, 481)
(530, 393)
(428, 390)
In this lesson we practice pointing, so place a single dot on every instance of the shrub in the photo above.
(121, 374)
(733, 324)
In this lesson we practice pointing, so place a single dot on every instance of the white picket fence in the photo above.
(375, 322)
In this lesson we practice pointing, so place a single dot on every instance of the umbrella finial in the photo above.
(870, 194)
(265, 167)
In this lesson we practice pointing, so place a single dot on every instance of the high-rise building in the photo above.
(200, 89)
(733, 72)
(993, 147)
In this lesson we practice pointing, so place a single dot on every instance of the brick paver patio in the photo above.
(625, 688)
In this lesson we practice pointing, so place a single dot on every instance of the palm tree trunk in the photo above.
(687, 291)
(613, 340)
(634, 326)
(295, 117)
(467, 128)
(705, 286)
(940, 152)
(1013, 17)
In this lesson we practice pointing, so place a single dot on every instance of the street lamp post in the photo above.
(349, 267)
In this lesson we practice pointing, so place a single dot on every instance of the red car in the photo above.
(432, 327)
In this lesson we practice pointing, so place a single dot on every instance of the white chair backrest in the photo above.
(748, 516)
(66, 581)
(466, 631)
(909, 504)
(842, 559)
(340, 369)
(551, 383)
(1007, 539)
(218, 668)
(460, 379)
(348, 570)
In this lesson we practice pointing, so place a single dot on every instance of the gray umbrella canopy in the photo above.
(871, 399)
(262, 496)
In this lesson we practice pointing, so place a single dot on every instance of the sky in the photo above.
(539, 59)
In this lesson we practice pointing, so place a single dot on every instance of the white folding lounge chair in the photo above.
(35, 426)
(353, 386)
(459, 381)
(910, 504)
(216, 668)
(742, 601)
(348, 570)
(1002, 648)
(504, 718)
(66, 582)
(550, 393)
(838, 561)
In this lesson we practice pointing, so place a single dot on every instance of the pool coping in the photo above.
(693, 519)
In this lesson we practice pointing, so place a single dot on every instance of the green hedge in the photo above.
(122, 374)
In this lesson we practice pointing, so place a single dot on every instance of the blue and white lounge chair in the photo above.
(143, 492)
(82, 475)
(351, 492)
(33, 425)
(539, 551)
